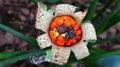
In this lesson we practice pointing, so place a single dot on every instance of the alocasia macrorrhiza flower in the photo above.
(64, 32)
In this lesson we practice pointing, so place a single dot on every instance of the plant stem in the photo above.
(91, 10)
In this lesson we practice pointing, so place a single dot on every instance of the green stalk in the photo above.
(96, 57)
(105, 21)
(31, 41)
(22, 56)
(103, 9)
(4, 55)
(108, 22)
(91, 10)
(35, 1)
(106, 40)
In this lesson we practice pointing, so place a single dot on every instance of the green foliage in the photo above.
(106, 40)
(35, 2)
(8, 54)
(20, 56)
(109, 20)
(28, 39)
(91, 10)
(52, 1)
(104, 9)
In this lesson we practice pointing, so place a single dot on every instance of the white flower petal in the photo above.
(44, 41)
(43, 20)
(64, 9)
(89, 33)
(80, 50)
(79, 16)
(60, 55)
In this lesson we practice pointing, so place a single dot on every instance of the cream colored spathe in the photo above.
(60, 55)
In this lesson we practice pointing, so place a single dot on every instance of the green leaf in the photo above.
(109, 20)
(101, 54)
(115, 19)
(52, 65)
(52, 1)
(35, 1)
(104, 8)
(21, 56)
(43, 6)
(95, 54)
(5, 55)
(87, 61)
(91, 10)
(108, 23)
(31, 41)
(66, 65)
(96, 57)
(107, 39)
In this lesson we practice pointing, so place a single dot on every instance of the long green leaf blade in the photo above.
(106, 21)
(21, 56)
(28, 39)
(91, 10)
(96, 57)
(52, 1)
(93, 52)
(5, 55)
(35, 1)
(107, 39)
(104, 8)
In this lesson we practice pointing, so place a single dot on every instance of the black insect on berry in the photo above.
(66, 37)
(62, 29)
(71, 34)
(70, 28)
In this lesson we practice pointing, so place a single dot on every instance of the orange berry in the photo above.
(53, 25)
(59, 20)
(73, 22)
(67, 23)
(74, 41)
(76, 27)
(78, 32)
(52, 36)
(67, 43)
(56, 18)
(60, 41)
(78, 37)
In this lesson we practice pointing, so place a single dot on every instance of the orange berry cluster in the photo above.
(64, 31)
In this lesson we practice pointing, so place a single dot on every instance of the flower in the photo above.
(60, 54)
